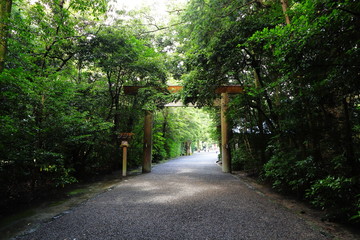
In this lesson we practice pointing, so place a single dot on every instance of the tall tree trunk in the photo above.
(117, 127)
(5, 12)
(285, 6)
(260, 120)
(188, 148)
(259, 84)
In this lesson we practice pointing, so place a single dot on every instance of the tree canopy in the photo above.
(299, 117)
(62, 99)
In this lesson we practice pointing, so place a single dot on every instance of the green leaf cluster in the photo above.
(177, 129)
(298, 119)
(62, 97)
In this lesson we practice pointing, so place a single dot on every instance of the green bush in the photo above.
(337, 196)
(173, 148)
(241, 159)
(159, 152)
(289, 174)
(53, 170)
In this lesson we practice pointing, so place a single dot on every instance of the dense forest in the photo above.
(298, 122)
(62, 100)
(64, 65)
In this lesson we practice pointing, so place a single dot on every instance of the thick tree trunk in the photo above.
(5, 12)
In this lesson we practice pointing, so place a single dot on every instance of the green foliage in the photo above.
(336, 194)
(173, 148)
(242, 160)
(247, 153)
(51, 167)
(288, 172)
(63, 105)
(301, 89)
(173, 127)
(62, 101)
(159, 152)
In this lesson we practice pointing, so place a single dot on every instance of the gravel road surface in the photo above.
(186, 198)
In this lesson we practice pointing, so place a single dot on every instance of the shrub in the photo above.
(289, 174)
(336, 194)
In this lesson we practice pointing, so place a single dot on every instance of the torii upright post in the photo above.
(224, 90)
(225, 150)
(146, 168)
(124, 162)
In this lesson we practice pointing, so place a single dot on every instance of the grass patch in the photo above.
(77, 192)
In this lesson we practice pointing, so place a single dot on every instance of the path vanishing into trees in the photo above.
(186, 198)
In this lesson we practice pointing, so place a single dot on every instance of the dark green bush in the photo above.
(288, 173)
(337, 195)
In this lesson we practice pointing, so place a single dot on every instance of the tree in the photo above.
(300, 80)
(181, 130)
(5, 12)
(38, 114)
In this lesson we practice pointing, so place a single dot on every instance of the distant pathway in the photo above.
(186, 198)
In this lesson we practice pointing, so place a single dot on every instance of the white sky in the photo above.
(158, 8)
(136, 4)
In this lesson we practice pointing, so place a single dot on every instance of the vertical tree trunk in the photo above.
(188, 148)
(5, 12)
(285, 5)
(260, 121)
(116, 130)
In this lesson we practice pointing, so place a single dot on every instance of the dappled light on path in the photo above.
(185, 198)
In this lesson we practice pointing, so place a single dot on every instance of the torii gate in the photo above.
(225, 150)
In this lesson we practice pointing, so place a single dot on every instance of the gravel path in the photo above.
(186, 198)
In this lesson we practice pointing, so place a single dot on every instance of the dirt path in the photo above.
(186, 198)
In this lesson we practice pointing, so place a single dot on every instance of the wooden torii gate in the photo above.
(148, 120)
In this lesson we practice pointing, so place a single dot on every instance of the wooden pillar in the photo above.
(146, 168)
(225, 149)
(124, 161)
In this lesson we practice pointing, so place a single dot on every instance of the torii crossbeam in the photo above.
(225, 150)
